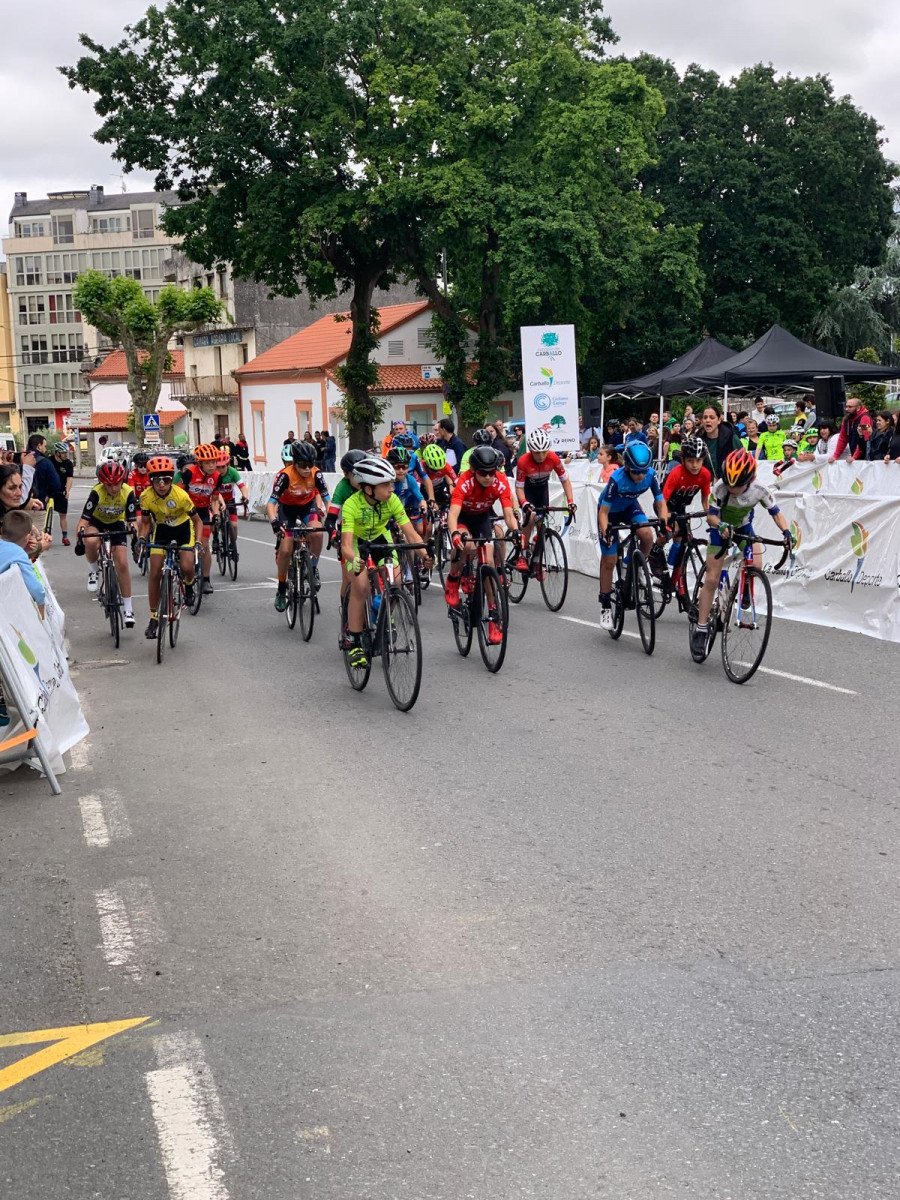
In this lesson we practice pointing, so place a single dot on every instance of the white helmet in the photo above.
(373, 470)
(797, 430)
(538, 439)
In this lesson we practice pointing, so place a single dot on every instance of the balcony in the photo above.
(210, 386)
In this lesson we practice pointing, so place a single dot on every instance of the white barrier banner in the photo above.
(845, 516)
(550, 383)
(259, 487)
(34, 652)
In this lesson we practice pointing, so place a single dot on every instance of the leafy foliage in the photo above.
(871, 394)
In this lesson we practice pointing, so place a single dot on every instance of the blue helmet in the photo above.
(638, 456)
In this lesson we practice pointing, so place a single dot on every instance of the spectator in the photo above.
(308, 437)
(17, 540)
(877, 449)
(634, 432)
(608, 460)
(612, 434)
(330, 451)
(499, 443)
(893, 450)
(850, 436)
(25, 460)
(801, 416)
(750, 439)
(454, 447)
(12, 493)
(241, 457)
(719, 436)
(66, 472)
(291, 437)
(593, 448)
(652, 423)
(732, 418)
(319, 440)
(673, 445)
(810, 412)
(825, 445)
(759, 411)
(47, 482)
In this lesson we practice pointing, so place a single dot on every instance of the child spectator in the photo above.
(16, 538)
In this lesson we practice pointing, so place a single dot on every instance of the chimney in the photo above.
(96, 194)
(21, 200)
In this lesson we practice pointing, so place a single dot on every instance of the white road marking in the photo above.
(129, 926)
(103, 819)
(190, 1123)
(597, 625)
(79, 755)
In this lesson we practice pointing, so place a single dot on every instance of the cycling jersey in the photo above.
(292, 489)
(472, 497)
(736, 509)
(410, 494)
(172, 509)
(109, 508)
(464, 462)
(770, 445)
(445, 473)
(369, 521)
(680, 486)
(622, 491)
(198, 485)
(138, 480)
(529, 471)
(228, 481)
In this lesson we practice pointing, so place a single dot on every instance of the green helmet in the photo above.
(398, 456)
(434, 458)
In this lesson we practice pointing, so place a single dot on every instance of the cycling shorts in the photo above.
(205, 515)
(478, 525)
(717, 547)
(630, 514)
(182, 535)
(61, 503)
(116, 530)
(304, 513)
(537, 492)
(441, 492)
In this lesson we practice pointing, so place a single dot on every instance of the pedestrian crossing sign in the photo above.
(151, 422)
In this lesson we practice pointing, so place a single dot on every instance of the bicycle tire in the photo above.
(358, 676)
(112, 603)
(712, 622)
(443, 550)
(738, 670)
(400, 624)
(162, 615)
(617, 603)
(198, 584)
(554, 548)
(306, 597)
(462, 622)
(517, 581)
(233, 556)
(292, 610)
(175, 606)
(644, 604)
(492, 654)
(221, 547)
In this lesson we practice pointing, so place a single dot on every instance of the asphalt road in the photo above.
(599, 926)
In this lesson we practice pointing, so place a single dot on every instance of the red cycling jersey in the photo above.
(199, 486)
(680, 486)
(529, 471)
(472, 497)
(138, 480)
(295, 490)
(446, 472)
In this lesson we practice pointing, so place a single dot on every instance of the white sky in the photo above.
(45, 134)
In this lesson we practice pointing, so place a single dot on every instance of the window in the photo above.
(223, 283)
(29, 229)
(258, 410)
(28, 270)
(143, 264)
(66, 385)
(303, 422)
(65, 268)
(32, 310)
(142, 223)
(34, 349)
(66, 347)
(420, 418)
(221, 425)
(62, 310)
(107, 261)
(63, 230)
(110, 224)
(196, 424)
(37, 388)
(422, 338)
(152, 294)
(395, 348)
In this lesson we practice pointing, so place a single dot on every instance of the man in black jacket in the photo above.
(47, 482)
(454, 447)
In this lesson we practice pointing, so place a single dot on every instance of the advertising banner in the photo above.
(550, 383)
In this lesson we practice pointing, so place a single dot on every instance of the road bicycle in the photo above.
(443, 546)
(198, 577)
(632, 585)
(741, 609)
(224, 544)
(677, 582)
(548, 562)
(302, 598)
(140, 553)
(483, 601)
(109, 594)
(391, 629)
(171, 595)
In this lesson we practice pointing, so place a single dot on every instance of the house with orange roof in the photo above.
(294, 385)
(111, 403)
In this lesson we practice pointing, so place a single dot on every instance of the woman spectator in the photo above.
(673, 445)
(12, 498)
(878, 448)
(751, 437)
(719, 437)
(593, 448)
(825, 446)
(892, 454)
(608, 461)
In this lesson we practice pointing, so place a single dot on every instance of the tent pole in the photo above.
(602, 419)
(659, 436)
(725, 403)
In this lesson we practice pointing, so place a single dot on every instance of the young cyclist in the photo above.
(618, 505)
(332, 524)
(200, 480)
(138, 479)
(366, 514)
(533, 471)
(680, 486)
(110, 508)
(299, 493)
(481, 437)
(230, 482)
(171, 513)
(406, 487)
(769, 446)
(440, 473)
(733, 499)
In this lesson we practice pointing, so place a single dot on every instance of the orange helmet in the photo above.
(224, 459)
(160, 465)
(739, 468)
(206, 453)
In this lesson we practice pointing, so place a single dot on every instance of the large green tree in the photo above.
(786, 181)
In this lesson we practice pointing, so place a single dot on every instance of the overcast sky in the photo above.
(45, 134)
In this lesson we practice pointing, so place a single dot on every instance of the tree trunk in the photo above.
(358, 373)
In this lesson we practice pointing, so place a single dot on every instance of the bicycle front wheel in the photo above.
(491, 617)
(112, 603)
(162, 613)
(443, 552)
(461, 620)
(198, 584)
(222, 547)
(554, 571)
(306, 598)
(712, 624)
(358, 676)
(401, 650)
(644, 603)
(176, 604)
(747, 624)
(293, 589)
(233, 556)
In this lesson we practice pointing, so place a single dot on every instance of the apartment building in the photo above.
(8, 418)
(51, 241)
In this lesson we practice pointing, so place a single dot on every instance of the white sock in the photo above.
(126, 600)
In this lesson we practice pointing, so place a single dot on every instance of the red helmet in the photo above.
(224, 458)
(739, 468)
(160, 465)
(111, 473)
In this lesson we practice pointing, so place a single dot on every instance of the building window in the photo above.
(34, 349)
(110, 224)
(422, 338)
(66, 385)
(395, 348)
(258, 410)
(143, 264)
(107, 261)
(29, 229)
(66, 347)
(63, 230)
(28, 270)
(142, 224)
(152, 294)
(31, 310)
(62, 310)
(65, 268)
(37, 388)
(420, 417)
(223, 282)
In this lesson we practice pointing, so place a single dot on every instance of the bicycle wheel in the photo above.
(233, 555)
(401, 650)
(712, 623)
(461, 620)
(306, 597)
(175, 606)
(162, 615)
(358, 676)
(517, 581)
(443, 552)
(495, 613)
(112, 602)
(692, 564)
(555, 568)
(644, 603)
(746, 624)
(145, 560)
(617, 603)
(198, 584)
(293, 590)
(221, 546)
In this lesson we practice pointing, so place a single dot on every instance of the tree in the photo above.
(119, 309)
(787, 182)
(871, 394)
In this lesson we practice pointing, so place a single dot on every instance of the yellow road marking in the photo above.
(8, 1111)
(67, 1041)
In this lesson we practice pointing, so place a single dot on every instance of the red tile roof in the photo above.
(394, 380)
(325, 342)
(114, 366)
(110, 422)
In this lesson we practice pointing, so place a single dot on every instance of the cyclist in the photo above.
(481, 437)
(533, 471)
(732, 502)
(299, 493)
(137, 476)
(618, 504)
(472, 515)
(406, 487)
(408, 441)
(171, 512)
(366, 514)
(441, 474)
(681, 485)
(770, 440)
(66, 472)
(229, 480)
(110, 508)
(344, 490)
(200, 480)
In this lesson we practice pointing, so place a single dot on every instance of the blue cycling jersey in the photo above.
(622, 490)
(409, 492)
(417, 467)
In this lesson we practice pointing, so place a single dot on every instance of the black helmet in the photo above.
(184, 460)
(141, 459)
(485, 458)
(350, 459)
(303, 452)
(398, 456)
(482, 437)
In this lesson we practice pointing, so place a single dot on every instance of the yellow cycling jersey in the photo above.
(104, 507)
(172, 509)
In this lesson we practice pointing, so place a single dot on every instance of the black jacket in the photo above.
(46, 478)
(717, 448)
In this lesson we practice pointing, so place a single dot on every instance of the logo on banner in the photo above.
(542, 402)
(558, 421)
(798, 541)
(859, 544)
(548, 376)
(549, 339)
(817, 480)
(856, 487)
(31, 660)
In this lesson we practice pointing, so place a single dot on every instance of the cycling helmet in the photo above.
(538, 439)
(434, 458)
(303, 453)
(224, 459)
(789, 441)
(797, 431)
(693, 447)
(485, 458)
(371, 470)
(482, 437)
(185, 460)
(425, 439)
(160, 465)
(637, 456)
(206, 453)
(398, 456)
(60, 448)
(111, 473)
(286, 456)
(140, 459)
(772, 421)
(350, 459)
(404, 439)
(739, 468)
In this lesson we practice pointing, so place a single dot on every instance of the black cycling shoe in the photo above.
(207, 588)
(152, 629)
(189, 595)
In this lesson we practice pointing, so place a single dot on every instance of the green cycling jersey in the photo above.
(370, 521)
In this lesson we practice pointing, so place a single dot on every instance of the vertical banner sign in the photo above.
(550, 383)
